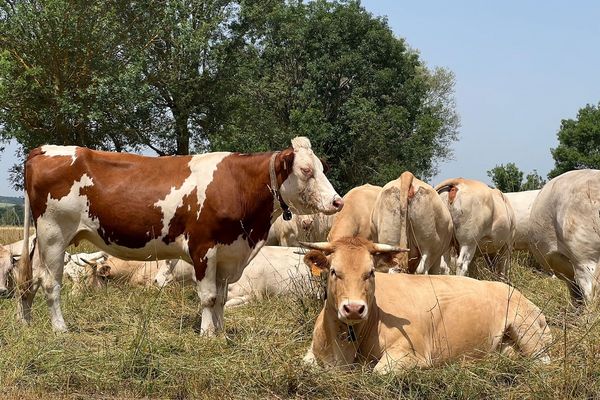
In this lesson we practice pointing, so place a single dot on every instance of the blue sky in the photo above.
(520, 66)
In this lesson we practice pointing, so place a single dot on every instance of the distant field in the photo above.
(131, 342)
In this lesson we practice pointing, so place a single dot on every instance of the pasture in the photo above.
(131, 342)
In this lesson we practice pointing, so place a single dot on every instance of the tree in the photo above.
(506, 178)
(64, 78)
(533, 181)
(509, 178)
(579, 142)
(333, 72)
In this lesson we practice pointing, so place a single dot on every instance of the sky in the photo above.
(520, 66)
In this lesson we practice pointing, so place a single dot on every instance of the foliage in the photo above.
(333, 72)
(195, 75)
(578, 142)
(509, 178)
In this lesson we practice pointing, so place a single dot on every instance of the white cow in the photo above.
(82, 269)
(564, 230)
(521, 203)
(483, 221)
(410, 214)
(275, 270)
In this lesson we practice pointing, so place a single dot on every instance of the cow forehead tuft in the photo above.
(301, 142)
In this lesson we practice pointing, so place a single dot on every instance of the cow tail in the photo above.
(25, 270)
(406, 192)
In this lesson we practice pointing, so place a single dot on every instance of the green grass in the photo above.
(131, 342)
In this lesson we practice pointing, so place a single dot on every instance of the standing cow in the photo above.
(483, 221)
(409, 213)
(213, 210)
(521, 203)
(564, 230)
(355, 218)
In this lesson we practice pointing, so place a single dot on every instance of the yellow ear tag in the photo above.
(315, 271)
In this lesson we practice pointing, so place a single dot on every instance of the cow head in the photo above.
(306, 189)
(350, 263)
(6, 270)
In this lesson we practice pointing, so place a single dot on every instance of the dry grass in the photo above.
(132, 343)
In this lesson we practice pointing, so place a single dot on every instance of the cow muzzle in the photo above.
(353, 311)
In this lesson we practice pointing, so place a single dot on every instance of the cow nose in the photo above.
(354, 310)
(3, 292)
(338, 203)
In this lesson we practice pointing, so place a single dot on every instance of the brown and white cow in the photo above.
(301, 228)
(483, 220)
(564, 231)
(355, 217)
(400, 320)
(213, 210)
(409, 213)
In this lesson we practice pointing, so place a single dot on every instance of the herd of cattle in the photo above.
(203, 220)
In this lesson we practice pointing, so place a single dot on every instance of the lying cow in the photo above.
(135, 273)
(564, 230)
(409, 213)
(311, 228)
(521, 203)
(483, 221)
(9, 255)
(275, 270)
(355, 218)
(400, 320)
(83, 269)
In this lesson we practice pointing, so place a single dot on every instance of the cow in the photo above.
(213, 210)
(401, 320)
(82, 269)
(133, 272)
(409, 213)
(275, 270)
(564, 231)
(355, 217)
(483, 221)
(521, 203)
(308, 228)
(6, 272)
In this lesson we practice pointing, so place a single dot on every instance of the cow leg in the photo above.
(423, 266)
(52, 258)
(218, 312)
(436, 268)
(395, 360)
(25, 303)
(464, 259)
(207, 292)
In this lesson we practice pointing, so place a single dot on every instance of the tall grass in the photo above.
(130, 342)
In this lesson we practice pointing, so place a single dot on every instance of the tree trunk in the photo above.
(181, 132)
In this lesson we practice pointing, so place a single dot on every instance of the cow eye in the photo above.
(307, 172)
(332, 272)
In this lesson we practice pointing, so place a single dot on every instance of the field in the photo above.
(129, 343)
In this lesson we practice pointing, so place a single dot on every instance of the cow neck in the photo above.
(287, 214)
(353, 335)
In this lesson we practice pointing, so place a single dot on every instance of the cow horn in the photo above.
(386, 248)
(323, 246)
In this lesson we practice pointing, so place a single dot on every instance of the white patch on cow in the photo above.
(202, 168)
(51, 150)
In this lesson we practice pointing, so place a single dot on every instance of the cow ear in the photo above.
(287, 159)
(317, 261)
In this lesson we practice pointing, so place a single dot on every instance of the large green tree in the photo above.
(333, 72)
(578, 142)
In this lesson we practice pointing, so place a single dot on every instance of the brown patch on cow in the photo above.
(452, 194)
(238, 202)
(124, 191)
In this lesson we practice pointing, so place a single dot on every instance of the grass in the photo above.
(143, 343)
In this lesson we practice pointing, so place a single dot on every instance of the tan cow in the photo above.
(521, 203)
(305, 228)
(401, 320)
(6, 272)
(136, 273)
(564, 230)
(484, 222)
(409, 213)
(355, 218)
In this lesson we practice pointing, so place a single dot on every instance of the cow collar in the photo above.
(287, 214)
